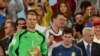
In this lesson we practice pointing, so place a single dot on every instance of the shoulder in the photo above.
(80, 43)
(76, 47)
(57, 48)
(20, 32)
(41, 34)
(96, 44)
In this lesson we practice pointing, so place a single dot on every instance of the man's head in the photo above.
(59, 19)
(77, 30)
(88, 34)
(10, 29)
(67, 36)
(78, 18)
(85, 4)
(20, 22)
(31, 19)
(96, 23)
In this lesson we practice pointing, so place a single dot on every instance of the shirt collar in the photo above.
(85, 43)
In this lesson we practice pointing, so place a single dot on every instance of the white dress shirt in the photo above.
(85, 44)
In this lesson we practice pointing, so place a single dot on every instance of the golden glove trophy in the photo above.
(36, 51)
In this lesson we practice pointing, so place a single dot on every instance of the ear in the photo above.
(62, 36)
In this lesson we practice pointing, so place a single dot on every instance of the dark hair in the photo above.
(19, 20)
(67, 30)
(3, 50)
(14, 25)
(55, 15)
(2, 33)
(68, 12)
(31, 12)
(79, 13)
(85, 4)
(79, 27)
(5, 21)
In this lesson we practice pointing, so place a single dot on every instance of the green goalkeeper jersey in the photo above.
(25, 41)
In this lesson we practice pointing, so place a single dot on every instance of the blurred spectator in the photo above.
(9, 30)
(78, 18)
(65, 9)
(89, 48)
(95, 3)
(77, 32)
(88, 10)
(13, 9)
(96, 23)
(7, 21)
(67, 48)
(21, 24)
(44, 17)
(71, 3)
(30, 4)
(54, 33)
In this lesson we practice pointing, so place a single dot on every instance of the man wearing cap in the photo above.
(96, 24)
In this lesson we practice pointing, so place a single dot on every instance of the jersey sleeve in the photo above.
(44, 48)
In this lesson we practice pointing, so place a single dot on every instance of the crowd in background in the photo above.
(52, 27)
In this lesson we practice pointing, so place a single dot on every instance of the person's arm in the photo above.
(47, 16)
(44, 48)
(14, 44)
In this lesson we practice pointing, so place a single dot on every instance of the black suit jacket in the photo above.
(95, 49)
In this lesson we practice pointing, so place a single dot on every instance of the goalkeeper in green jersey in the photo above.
(28, 42)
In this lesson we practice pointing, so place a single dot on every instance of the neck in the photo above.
(67, 46)
(31, 29)
(39, 20)
(55, 28)
(87, 42)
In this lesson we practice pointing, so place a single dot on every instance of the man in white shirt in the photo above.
(89, 48)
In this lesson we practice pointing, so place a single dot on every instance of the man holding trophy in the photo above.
(29, 42)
